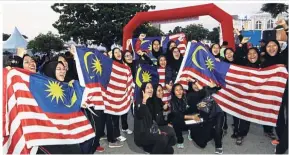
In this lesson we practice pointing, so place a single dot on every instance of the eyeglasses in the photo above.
(128, 56)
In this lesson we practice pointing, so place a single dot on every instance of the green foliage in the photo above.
(195, 32)
(274, 8)
(214, 35)
(102, 23)
(46, 43)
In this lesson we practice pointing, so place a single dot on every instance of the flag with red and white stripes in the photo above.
(30, 125)
(162, 75)
(247, 93)
(180, 40)
(108, 84)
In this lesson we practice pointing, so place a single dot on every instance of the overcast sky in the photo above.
(34, 18)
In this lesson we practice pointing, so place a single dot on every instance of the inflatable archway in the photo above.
(212, 10)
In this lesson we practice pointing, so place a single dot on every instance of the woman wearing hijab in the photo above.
(272, 57)
(174, 60)
(170, 45)
(156, 49)
(57, 71)
(180, 111)
(213, 125)
(215, 50)
(166, 77)
(147, 133)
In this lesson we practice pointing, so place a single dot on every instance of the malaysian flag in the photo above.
(247, 93)
(108, 84)
(42, 112)
(162, 77)
(146, 44)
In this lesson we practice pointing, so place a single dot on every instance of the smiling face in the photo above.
(160, 92)
(149, 89)
(179, 91)
(60, 72)
(163, 61)
(272, 48)
(229, 55)
(128, 57)
(176, 53)
(29, 64)
(252, 55)
(195, 87)
(216, 49)
(117, 54)
(156, 46)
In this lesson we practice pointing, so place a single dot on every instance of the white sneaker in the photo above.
(128, 131)
(180, 146)
(121, 138)
(189, 136)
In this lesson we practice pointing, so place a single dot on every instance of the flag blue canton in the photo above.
(54, 96)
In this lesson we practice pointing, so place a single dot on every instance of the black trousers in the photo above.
(112, 127)
(282, 147)
(90, 146)
(124, 124)
(226, 124)
(179, 126)
(155, 143)
(283, 114)
(60, 149)
(212, 129)
(170, 133)
(241, 127)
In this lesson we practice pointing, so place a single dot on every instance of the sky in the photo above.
(34, 18)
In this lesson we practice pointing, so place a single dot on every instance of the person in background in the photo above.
(174, 59)
(223, 47)
(170, 45)
(146, 132)
(262, 49)
(157, 50)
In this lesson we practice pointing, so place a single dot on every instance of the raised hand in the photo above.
(145, 97)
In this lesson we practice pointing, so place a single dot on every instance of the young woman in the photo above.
(28, 63)
(215, 50)
(57, 71)
(212, 127)
(156, 49)
(273, 56)
(166, 78)
(179, 113)
(174, 60)
(146, 133)
(170, 45)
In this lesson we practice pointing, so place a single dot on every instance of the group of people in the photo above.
(159, 123)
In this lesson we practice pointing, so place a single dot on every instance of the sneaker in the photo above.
(115, 144)
(234, 135)
(121, 138)
(189, 136)
(239, 141)
(103, 137)
(219, 151)
(270, 135)
(128, 131)
(275, 142)
(99, 149)
(180, 146)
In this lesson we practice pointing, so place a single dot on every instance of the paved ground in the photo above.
(254, 143)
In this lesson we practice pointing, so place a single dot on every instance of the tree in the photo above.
(6, 36)
(274, 8)
(101, 23)
(149, 30)
(46, 43)
(214, 35)
(195, 32)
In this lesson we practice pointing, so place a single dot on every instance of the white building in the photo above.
(259, 21)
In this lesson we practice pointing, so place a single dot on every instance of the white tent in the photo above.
(16, 40)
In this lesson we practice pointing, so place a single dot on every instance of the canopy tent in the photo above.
(16, 40)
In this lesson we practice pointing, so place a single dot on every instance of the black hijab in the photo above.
(225, 59)
(173, 63)
(50, 68)
(123, 58)
(180, 103)
(272, 60)
(257, 63)
(114, 58)
(156, 54)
